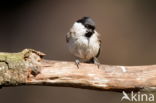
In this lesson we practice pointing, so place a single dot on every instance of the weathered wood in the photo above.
(28, 68)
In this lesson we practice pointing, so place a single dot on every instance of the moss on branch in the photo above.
(13, 66)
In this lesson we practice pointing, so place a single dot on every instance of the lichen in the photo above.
(14, 66)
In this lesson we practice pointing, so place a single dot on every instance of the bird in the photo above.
(83, 41)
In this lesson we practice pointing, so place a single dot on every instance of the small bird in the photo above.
(83, 41)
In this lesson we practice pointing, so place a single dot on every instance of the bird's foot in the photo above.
(96, 62)
(77, 62)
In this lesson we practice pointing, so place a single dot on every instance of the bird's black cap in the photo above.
(87, 22)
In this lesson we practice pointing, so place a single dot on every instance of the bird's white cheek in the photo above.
(79, 29)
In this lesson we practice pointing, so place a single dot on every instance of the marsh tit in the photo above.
(83, 41)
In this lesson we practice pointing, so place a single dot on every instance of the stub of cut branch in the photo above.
(28, 68)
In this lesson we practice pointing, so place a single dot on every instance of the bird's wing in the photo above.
(68, 36)
(99, 48)
(99, 40)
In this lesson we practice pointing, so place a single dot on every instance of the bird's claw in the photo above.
(96, 62)
(77, 62)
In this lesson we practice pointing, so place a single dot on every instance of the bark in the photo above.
(28, 68)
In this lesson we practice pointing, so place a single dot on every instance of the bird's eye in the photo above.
(90, 27)
(87, 26)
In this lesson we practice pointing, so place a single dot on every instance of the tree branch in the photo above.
(28, 68)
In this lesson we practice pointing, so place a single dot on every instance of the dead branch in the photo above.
(28, 68)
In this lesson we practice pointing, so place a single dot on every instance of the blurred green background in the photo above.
(128, 33)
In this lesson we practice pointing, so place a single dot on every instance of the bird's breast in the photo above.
(83, 47)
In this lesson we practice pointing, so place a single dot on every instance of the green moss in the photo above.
(13, 68)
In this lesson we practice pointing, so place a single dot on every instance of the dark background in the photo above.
(128, 33)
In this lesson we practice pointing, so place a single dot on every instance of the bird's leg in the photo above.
(96, 62)
(77, 62)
